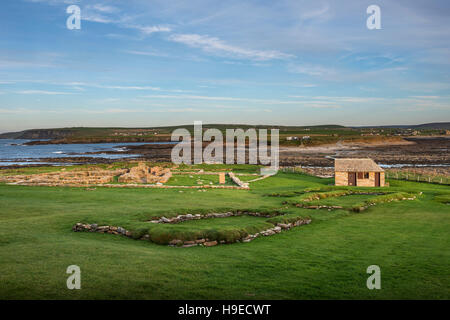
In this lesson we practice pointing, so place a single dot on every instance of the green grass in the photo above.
(327, 259)
(193, 180)
(228, 229)
(344, 201)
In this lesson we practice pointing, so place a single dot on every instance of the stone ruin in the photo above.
(92, 176)
(204, 242)
(76, 177)
(144, 174)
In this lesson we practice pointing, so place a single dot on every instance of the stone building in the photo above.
(358, 172)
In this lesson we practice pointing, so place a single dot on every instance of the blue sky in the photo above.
(170, 62)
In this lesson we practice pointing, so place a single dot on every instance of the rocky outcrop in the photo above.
(38, 134)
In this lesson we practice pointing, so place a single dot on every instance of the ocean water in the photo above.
(14, 152)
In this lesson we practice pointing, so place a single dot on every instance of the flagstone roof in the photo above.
(356, 165)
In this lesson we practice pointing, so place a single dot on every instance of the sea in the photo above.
(16, 152)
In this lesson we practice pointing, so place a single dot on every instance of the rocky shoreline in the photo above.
(423, 153)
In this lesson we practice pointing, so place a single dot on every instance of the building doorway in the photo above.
(352, 178)
(377, 179)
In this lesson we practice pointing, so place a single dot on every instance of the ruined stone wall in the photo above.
(144, 174)
(81, 177)
(237, 180)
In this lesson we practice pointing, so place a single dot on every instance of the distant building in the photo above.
(358, 172)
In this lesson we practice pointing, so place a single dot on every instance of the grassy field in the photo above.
(326, 259)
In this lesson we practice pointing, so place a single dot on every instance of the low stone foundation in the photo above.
(101, 229)
(187, 217)
(300, 205)
(265, 233)
(360, 209)
(80, 227)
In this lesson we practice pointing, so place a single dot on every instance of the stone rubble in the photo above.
(238, 181)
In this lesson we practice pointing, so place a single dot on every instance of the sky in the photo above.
(144, 63)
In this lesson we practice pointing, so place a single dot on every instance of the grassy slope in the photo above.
(326, 259)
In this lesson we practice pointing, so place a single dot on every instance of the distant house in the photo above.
(358, 172)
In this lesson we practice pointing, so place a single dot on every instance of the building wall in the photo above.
(341, 179)
(366, 182)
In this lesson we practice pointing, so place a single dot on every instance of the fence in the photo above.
(397, 175)
(292, 169)
(418, 177)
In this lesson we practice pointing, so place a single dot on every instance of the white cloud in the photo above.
(149, 29)
(310, 70)
(95, 17)
(104, 8)
(101, 13)
(303, 103)
(55, 2)
(151, 53)
(217, 46)
(426, 97)
(128, 87)
(43, 92)
(316, 13)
